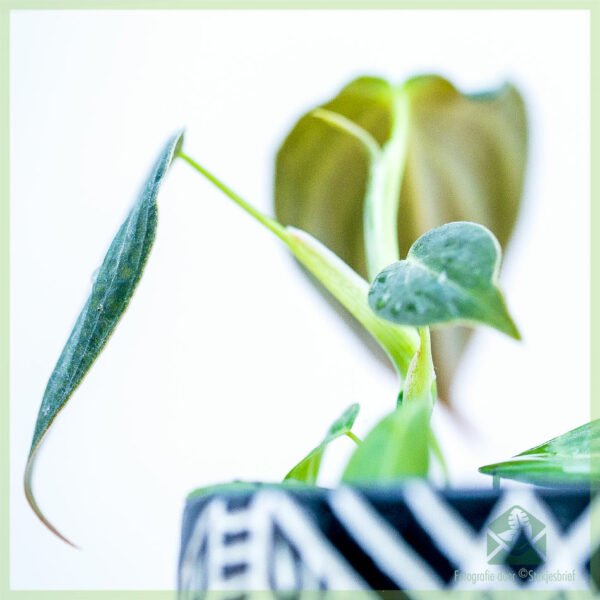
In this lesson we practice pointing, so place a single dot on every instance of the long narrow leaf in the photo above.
(112, 290)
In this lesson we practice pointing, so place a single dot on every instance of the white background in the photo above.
(228, 363)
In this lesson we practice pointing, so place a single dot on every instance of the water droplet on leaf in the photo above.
(382, 301)
(396, 308)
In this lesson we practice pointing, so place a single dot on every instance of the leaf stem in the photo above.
(354, 438)
(420, 378)
(349, 288)
(272, 224)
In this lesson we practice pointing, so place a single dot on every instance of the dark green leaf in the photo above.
(570, 459)
(397, 447)
(465, 161)
(307, 469)
(449, 276)
(111, 292)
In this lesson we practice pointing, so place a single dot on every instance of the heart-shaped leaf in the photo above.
(465, 161)
(571, 459)
(307, 470)
(112, 290)
(449, 276)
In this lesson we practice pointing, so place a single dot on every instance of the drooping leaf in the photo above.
(449, 276)
(112, 290)
(465, 161)
(397, 447)
(307, 470)
(570, 459)
(335, 275)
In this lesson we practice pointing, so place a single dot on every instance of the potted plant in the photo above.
(383, 528)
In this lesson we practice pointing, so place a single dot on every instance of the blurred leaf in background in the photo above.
(465, 161)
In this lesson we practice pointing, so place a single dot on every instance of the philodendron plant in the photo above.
(448, 276)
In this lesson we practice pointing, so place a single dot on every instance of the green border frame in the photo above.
(7, 5)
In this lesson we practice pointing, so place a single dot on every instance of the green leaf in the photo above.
(420, 384)
(111, 292)
(570, 459)
(336, 276)
(465, 161)
(397, 447)
(449, 276)
(307, 469)
(321, 172)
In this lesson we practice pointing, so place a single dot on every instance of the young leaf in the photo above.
(570, 459)
(397, 447)
(400, 343)
(307, 469)
(465, 161)
(111, 292)
(449, 276)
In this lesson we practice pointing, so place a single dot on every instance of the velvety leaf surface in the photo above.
(450, 275)
(397, 447)
(111, 292)
(307, 470)
(570, 459)
(465, 161)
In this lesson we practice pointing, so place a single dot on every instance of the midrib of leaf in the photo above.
(382, 205)
(384, 180)
(106, 295)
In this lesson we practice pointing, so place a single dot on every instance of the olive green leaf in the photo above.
(307, 469)
(570, 459)
(449, 276)
(111, 292)
(397, 447)
(464, 161)
(349, 289)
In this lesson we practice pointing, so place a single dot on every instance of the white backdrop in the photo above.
(228, 363)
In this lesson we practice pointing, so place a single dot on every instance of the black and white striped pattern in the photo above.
(408, 538)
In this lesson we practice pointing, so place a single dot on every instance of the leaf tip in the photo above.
(509, 327)
(33, 504)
